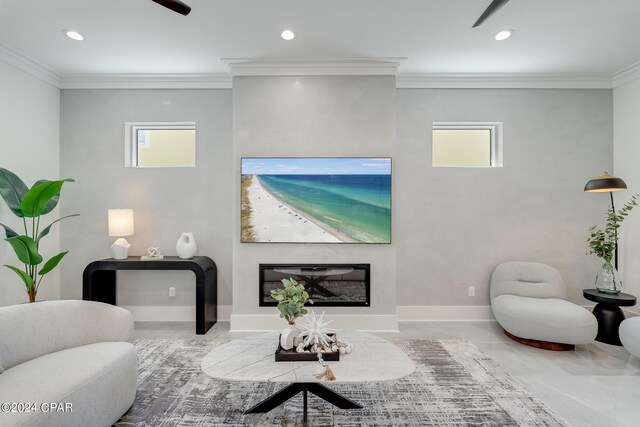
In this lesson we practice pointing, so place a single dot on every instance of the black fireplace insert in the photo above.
(328, 285)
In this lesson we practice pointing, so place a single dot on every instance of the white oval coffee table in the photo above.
(373, 359)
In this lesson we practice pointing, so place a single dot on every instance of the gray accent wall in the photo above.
(312, 116)
(451, 226)
(166, 201)
(454, 225)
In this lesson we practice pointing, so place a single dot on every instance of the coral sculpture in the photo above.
(315, 330)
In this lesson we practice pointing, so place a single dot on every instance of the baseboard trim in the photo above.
(377, 323)
(272, 322)
(444, 313)
(178, 313)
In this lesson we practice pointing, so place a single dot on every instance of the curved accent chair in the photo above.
(630, 335)
(528, 299)
(74, 353)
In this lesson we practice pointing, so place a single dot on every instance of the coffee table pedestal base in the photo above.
(291, 390)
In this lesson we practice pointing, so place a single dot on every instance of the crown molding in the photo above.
(626, 75)
(334, 68)
(145, 81)
(313, 67)
(502, 81)
(28, 65)
(320, 66)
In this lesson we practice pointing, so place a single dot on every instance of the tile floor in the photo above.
(596, 385)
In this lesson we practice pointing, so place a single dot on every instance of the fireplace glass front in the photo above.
(328, 285)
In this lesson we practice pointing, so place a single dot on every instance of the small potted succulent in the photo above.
(291, 300)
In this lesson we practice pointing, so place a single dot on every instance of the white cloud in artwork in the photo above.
(378, 165)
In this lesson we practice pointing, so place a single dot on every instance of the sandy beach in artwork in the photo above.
(274, 221)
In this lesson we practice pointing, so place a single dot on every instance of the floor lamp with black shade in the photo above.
(607, 183)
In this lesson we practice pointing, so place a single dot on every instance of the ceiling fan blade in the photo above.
(493, 8)
(175, 5)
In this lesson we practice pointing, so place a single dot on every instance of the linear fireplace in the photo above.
(329, 285)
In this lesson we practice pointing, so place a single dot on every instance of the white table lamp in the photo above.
(120, 225)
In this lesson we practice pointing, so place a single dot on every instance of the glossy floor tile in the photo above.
(595, 385)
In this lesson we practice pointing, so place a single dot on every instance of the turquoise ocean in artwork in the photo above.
(358, 206)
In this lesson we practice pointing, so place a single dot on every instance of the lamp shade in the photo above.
(604, 183)
(120, 222)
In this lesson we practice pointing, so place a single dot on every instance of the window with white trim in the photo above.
(160, 144)
(466, 144)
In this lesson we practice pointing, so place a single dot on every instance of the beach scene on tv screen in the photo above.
(316, 200)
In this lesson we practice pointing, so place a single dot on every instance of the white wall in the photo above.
(626, 149)
(454, 225)
(166, 201)
(29, 147)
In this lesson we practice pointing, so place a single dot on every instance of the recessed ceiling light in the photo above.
(503, 35)
(287, 35)
(74, 35)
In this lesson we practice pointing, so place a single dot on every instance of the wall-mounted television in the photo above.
(316, 200)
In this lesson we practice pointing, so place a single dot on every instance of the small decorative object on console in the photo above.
(186, 247)
(153, 254)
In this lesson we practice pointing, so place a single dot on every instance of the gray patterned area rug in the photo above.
(454, 384)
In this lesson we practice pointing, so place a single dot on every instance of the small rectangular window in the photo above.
(160, 144)
(466, 144)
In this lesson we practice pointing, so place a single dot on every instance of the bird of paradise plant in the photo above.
(30, 204)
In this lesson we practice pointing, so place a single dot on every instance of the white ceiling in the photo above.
(585, 37)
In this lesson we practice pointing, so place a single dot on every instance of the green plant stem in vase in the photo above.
(602, 243)
(30, 204)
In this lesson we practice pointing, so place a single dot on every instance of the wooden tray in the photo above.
(293, 356)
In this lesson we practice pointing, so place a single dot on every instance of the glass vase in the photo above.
(608, 279)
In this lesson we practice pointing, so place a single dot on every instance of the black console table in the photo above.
(99, 282)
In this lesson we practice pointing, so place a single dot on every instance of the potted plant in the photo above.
(291, 300)
(603, 244)
(30, 204)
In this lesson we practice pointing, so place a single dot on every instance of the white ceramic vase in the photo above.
(186, 246)
(288, 337)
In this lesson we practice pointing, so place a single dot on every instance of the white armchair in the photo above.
(75, 353)
(630, 335)
(528, 300)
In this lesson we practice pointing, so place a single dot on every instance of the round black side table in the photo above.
(608, 313)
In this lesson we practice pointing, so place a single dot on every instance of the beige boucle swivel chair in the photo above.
(528, 299)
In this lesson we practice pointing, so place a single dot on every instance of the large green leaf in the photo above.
(28, 281)
(37, 199)
(52, 263)
(46, 230)
(26, 249)
(12, 190)
(55, 199)
(8, 231)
